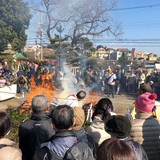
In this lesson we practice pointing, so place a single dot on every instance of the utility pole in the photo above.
(40, 33)
(41, 36)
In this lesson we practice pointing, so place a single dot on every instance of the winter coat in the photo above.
(33, 132)
(146, 131)
(97, 131)
(64, 145)
(83, 136)
(8, 152)
(137, 148)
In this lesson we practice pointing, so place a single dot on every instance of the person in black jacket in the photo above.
(64, 145)
(35, 130)
(119, 127)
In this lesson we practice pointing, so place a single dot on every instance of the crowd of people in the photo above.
(62, 133)
(27, 72)
(108, 81)
(118, 81)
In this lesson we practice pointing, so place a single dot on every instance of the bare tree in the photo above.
(80, 18)
(91, 17)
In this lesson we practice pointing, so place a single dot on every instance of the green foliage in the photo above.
(16, 120)
(92, 62)
(99, 46)
(14, 20)
(123, 61)
(50, 56)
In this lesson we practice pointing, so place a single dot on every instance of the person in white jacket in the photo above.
(110, 83)
(103, 110)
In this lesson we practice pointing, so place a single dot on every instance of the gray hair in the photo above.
(39, 103)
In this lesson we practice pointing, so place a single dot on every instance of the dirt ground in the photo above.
(120, 102)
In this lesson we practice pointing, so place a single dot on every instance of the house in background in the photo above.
(117, 53)
(141, 55)
(35, 51)
(152, 57)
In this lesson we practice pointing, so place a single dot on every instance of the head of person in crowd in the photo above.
(109, 71)
(115, 149)
(39, 104)
(5, 124)
(78, 129)
(103, 108)
(141, 72)
(145, 103)
(81, 95)
(7, 151)
(63, 118)
(144, 88)
(79, 117)
(118, 126)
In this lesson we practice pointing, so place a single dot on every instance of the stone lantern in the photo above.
(9, 50)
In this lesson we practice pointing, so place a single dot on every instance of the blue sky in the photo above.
(141, 23)
(141, 26)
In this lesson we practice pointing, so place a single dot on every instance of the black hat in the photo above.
(118, 126)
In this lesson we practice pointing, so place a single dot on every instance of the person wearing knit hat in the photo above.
(145, 127)
(119, 127)
(145, 102)
(78, 129)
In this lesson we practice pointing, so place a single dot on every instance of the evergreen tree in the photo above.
(123, 61)
(14, 20)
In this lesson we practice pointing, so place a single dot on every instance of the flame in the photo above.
(93, 97)
(47, 88)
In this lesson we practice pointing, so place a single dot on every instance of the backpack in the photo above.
(47, 154)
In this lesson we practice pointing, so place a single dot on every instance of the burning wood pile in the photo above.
(48, 89)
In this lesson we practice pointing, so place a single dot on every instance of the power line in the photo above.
(126, 40)
(137, 7)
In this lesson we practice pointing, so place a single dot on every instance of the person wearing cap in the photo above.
(79, 130)
(75, 99)
(119, 127)
(145, 127)
(35, 130)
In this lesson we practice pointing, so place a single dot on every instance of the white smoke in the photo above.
(68, 82)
